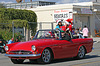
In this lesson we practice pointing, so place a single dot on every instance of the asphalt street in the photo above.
(91, 59)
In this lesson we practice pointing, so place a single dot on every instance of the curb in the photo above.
(96, 42)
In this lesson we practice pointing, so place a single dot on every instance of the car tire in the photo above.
(81, 53)
(46, 57)
(17, 61)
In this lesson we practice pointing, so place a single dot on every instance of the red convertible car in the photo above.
(48, 45)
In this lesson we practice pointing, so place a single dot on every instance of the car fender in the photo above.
(45, 48)
(11, 45)
(80, 46)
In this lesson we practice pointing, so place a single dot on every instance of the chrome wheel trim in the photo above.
(46, 55)
(81, 52)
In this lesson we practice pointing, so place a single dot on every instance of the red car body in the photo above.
(59, 48)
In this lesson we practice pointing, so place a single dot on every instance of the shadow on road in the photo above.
(91, 56)
(94, 41)
(63, 60)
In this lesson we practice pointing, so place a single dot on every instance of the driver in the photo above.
(65, 36)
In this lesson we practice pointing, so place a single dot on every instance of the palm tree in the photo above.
(18, 1)
(31, 3)
(30, 0)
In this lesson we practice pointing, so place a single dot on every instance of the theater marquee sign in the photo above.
(63, 14)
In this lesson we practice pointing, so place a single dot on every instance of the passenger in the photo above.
(77, 32)
(80, 33)
(73, 31)
(59, 24)
(64, 27)
(70, 21)
(69, 28)
(70, 24)
(52, 34)
(48, 35)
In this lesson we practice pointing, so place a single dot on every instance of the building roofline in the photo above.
(30, 2)
(70, 4)
(96, 3)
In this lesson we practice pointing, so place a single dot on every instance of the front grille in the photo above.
(20, 52)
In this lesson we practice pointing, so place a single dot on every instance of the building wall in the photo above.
(97, 21)
(92, 25)
(96, 0)
(45, 14)
(82, 20)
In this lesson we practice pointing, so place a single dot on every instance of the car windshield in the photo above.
(47, 34)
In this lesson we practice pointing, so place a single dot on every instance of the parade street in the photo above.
(92, 59)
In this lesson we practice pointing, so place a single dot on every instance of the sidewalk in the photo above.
(96, 39)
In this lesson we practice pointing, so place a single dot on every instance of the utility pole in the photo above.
(31, 3)
(96, 0)
(13, 28)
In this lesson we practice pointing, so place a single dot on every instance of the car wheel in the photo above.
(81, 53)
(45, 57)
(17, 61)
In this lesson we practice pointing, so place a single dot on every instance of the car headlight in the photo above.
(33, 48)
(6, 48)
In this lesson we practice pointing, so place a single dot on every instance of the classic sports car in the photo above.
(48, 45)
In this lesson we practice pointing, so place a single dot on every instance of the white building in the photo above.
(85, 13)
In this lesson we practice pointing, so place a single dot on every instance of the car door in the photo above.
(64, 48)
(69, 48)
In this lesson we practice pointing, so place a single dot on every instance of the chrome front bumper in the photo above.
(28, 55)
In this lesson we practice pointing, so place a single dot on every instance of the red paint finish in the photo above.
(60, 48)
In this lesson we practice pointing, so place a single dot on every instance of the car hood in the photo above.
(27, 45)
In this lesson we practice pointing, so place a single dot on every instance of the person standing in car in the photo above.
(59, 24)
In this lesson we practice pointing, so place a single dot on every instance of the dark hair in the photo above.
(77, 29)
(60, 25)
(85, 26)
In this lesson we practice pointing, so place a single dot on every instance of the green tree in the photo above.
(20, 19)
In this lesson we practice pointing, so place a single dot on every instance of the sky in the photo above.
(58, 1)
